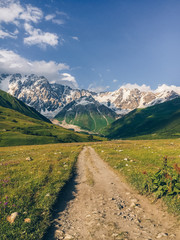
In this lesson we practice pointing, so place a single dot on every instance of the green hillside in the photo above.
(158, 121)
(18, 129)
(87, 114)
(8, 101)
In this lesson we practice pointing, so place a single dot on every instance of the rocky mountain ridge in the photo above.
(49, 98)
(87, 113)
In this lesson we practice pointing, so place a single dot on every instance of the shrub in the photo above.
(165, 182)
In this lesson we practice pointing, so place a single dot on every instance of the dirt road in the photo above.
(96, 204)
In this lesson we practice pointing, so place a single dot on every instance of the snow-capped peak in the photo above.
(48, 98)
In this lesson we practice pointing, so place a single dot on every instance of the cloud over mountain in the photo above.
(11, 62)
(143, 87)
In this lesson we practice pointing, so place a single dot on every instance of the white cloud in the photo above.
(62, 14)
(165, 87)
(115, 80)
(58, 21)
(5, 34)
(143, 88)
(12, 11)
(37, 36)
(94, 88)
(10, 62)
(28, 28)
(50, 17)
(9, 11)
(31, 14)
(68, 79)
(75, 38)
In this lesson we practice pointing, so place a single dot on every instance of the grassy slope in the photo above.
(89, 120)
(137, 160)
(159, 121)
(8, 101)
(18, 129)
(31, 187)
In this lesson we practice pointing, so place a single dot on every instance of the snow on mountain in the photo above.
(129, 99)
(83, 101)
(49, 98)
(86, 113)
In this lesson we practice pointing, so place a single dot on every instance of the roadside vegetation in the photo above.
(151, 166)
(31, 178)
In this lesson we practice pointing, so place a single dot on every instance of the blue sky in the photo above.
(92, 44)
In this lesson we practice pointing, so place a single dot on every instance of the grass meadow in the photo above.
(31, 178)
(140, 160)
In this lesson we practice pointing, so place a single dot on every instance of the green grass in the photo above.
(138, 160)
(159, 121)
(89, 117)
(31, 187)
(18, 129)
(91, 121)
(8, 101)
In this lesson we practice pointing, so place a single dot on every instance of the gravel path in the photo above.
(96, 204)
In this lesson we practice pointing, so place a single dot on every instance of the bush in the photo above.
(165, 182)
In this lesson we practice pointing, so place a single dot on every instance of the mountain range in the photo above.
(125, 113)
(23, 125)
(87, 113)
(8, 101)
(158, 121)
(50, 98)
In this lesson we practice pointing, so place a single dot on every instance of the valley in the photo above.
(69, 126)
(101, 206)
(101, 201)
(110, 114)
(87, 114)
(89, 120)
(102, 172)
